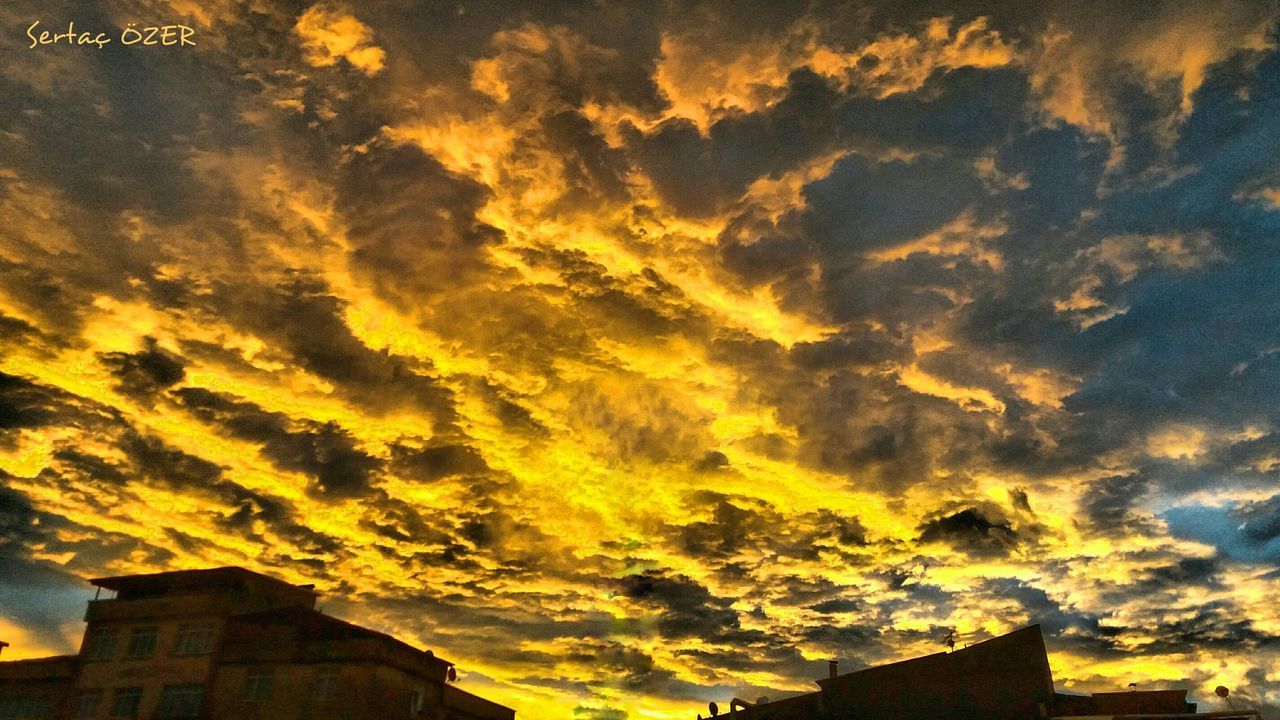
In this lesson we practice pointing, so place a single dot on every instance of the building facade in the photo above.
(230, 643)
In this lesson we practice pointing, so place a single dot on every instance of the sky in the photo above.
(636, 355)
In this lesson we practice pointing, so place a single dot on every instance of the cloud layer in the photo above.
(635, 356)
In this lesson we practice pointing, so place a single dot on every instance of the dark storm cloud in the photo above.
(639, 308)
(592, 168)
(240, 509)
(853, 347)
(971, 530)
(15, 332)
(739, 525)
(962, 109)
(398, 520)
(324, 451)
(1034, 204)
(1187, 571)
(686, 609)
(696, 174)
(896, 439)
(828, 607)
(412, 222)
(1107, 501)
(24, 404)
(150, 460)
(712, 461)
(143, 374)
(1214, 625)
(130, 106)
(633, 668)
(436, 461)
(19, 522)
(306, 321)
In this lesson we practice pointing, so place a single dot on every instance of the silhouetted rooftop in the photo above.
(58, 666)
(1003, 678)
(188, 580)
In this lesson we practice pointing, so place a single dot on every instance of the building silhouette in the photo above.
(227, 643)
(1005, 678)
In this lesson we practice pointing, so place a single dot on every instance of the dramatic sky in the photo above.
(634, 355)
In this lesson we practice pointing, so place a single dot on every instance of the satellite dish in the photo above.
(451, 675)
(1222, 692)
(714, 708)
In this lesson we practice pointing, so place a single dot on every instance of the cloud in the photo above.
(325, 452)
(329, 34)
(679, 342)
(970, 530)
(22, 404)
(144, 373)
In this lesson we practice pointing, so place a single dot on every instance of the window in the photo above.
(419, 700)
(87, 702)
(257, 685)
(194, 640)
(125, 702)
(142, 641)
(180, 701)
(100, 644)
(326, 685)
(24, 708)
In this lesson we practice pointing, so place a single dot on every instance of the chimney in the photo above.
(833, 668)
(3, 645)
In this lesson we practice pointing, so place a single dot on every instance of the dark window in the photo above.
(326, 685)
(100, 643)
(125, 702)
(194, 640)
(180, 701)
(142, 641)
(87, 702)
(257, 685)
(24, 708)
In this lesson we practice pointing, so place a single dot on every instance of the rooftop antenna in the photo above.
(1222, 692)
(950, 639)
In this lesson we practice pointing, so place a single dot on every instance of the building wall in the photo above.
(364, 692)
(35, 688)
(151, 672)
